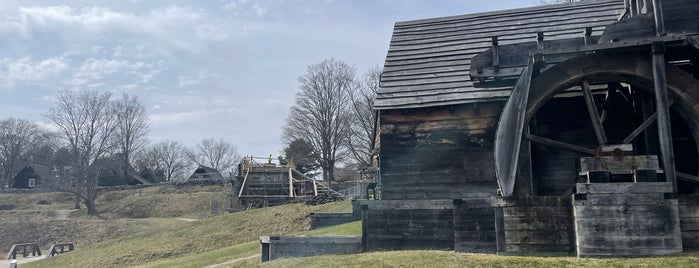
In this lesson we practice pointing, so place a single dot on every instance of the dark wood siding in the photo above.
(538, 224)
(403, 225)
(438, 153)
(626, 219)
(474, 225)
(689, 220)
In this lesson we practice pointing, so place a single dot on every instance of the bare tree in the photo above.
(171, 158)
(86, 123)
(215, 153)
(132, 128)
(321, 113)
(17, 138)
(364, 118)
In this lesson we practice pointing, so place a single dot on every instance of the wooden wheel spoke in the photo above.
(594, 114)
(687, 177)
(650, 120)
(559, 144)
(607, 101)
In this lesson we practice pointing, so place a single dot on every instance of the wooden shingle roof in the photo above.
(428, 61)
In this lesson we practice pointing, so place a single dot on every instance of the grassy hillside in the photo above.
(45, 224)
(231, 240)
(179, 240)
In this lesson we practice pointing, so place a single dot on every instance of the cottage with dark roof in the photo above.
(204, 173)
(31, 176)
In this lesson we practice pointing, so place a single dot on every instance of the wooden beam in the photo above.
(587, 35)
(611, 89)
(687, 177)
(663, 109)
(659, 20)
(643, 126)
(594, 114)
(508, 135)
(559, 144)
(496, 55)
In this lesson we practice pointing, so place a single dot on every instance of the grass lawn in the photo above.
(194, 241)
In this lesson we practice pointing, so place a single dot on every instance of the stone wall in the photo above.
(275, 247)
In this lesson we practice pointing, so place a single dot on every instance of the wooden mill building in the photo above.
(561, 128)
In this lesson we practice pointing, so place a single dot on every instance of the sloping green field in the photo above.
(220, 236)
(231, 240)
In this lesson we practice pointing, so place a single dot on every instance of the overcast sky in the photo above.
(202, 68)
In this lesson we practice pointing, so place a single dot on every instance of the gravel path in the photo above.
(233, 261)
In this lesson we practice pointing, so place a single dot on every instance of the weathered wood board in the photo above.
(626, 219)
(439, 152)
(689, 220)
(474, 226)
(537, 224)
(409, 224)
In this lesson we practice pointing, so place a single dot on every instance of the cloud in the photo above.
(246, 7)
(26, 69)
(199, 78)
(94, 70)
(170, 27)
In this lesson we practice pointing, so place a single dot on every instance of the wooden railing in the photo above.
(60, 248)
(25, 249)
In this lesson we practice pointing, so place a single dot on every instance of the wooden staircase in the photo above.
(321, 189)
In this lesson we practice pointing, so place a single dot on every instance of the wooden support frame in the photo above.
(559, 144)
(659, 19)
(663, 110)
(594, 114)
(644, 125)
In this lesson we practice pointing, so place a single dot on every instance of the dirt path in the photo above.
(6, 263)
(63, 214)
(233, 261)
(186, 219)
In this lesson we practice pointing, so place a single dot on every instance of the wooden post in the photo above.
(540, 40)
(587, 35)
(496, 55)
(663, 108)
(632, 8)
(659, 20)
(500, 243)
(365, 227)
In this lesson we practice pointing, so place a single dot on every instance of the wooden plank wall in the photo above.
(537, 224)
(438, 153)
(474, 226)
(688, 206)
(408, 224)
(636, 222)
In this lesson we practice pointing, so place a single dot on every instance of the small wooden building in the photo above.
(268, 184)
(204, 173)
(110, 172)
(534, 130)
(31, 176)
